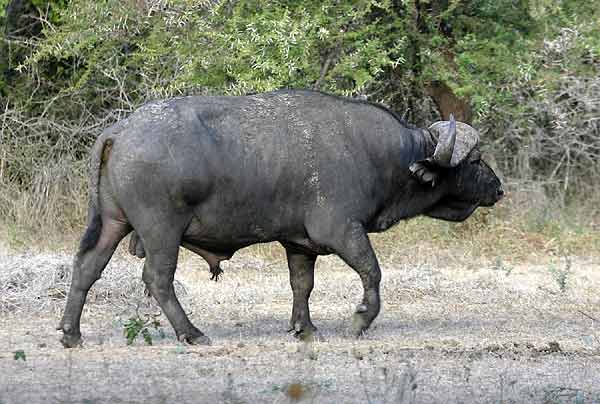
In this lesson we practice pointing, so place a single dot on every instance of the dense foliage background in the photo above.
(526, 73)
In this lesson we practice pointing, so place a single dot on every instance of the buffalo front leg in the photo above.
(358, 254)
(302, 269)
(351, 243)
(159, 271)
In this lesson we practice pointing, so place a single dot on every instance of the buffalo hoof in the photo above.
(71, 340)
(304, 332)
(195, 339)
(359, 324)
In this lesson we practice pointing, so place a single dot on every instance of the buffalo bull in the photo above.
(312, 171)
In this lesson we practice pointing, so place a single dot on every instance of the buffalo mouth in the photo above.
(463, 206)
(453, 210)
(493, 200)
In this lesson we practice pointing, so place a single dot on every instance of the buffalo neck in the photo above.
(403, 196)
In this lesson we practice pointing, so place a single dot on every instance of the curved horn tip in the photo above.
(452, 125)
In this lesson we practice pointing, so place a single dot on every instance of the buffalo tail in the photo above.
(99, 157)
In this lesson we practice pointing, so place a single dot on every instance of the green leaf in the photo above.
(147, 336)
(20, 354)
(132, 329)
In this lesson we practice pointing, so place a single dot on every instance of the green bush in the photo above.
(526, 69)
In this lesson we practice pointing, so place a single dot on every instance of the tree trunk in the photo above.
(448, 103)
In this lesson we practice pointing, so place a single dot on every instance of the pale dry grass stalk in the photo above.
(38, 283)
(445, 333)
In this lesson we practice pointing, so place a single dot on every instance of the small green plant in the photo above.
(137, 325)
(20, 354)
(561, 275)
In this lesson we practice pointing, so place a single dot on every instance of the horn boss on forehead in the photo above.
(455, 141)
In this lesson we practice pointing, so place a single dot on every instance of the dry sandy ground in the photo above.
(448, 332)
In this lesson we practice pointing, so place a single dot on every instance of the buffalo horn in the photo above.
(445, 147)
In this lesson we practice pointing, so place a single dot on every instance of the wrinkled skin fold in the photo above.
(312, 171)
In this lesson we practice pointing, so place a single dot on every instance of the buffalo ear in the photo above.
(424, 171)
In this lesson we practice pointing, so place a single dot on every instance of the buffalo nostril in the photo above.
(500, 192)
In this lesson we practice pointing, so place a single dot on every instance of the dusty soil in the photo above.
(449, 331)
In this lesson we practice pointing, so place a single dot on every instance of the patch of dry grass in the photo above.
(446, 333)
(47, 213)
(38, 283)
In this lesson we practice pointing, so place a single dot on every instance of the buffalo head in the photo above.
(466, 181)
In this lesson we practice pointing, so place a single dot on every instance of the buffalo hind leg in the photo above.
(162, 250)
(302, 270)
(87, 269)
